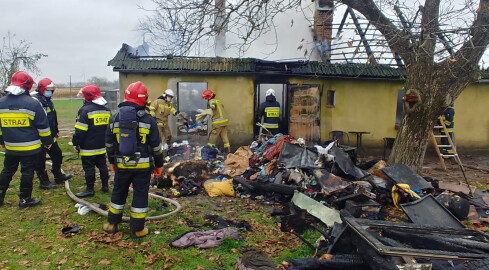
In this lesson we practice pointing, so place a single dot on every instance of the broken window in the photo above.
(331, 99)
(399, 108)
(190, 102)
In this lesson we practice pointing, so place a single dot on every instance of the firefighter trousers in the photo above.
(165, 133)
(139, 207)
(10, 165)
(56, 157)
(89, 163)
(219, 132)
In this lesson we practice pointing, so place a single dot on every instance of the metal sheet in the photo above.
(364, 228)
(429, 211)
(329, 182)
(402, 174)
(344, 163)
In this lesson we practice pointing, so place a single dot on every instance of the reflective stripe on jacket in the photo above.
(91, 125)
(24, 125)
(218, 118)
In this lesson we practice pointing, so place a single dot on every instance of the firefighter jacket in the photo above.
(149, 150)
(91, 124)
(449, 118)
(218, 118)
(24, 125)
(48, 106)
(161, 109)
(270, 111)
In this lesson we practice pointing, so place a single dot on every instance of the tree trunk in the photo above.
(419, 117)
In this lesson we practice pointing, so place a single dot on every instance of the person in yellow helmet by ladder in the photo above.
(219, 121)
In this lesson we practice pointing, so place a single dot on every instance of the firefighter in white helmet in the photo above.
(160, 109)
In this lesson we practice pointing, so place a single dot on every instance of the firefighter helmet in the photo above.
(23, 80)
(169, 93)
(91, 93)
(137, 93)
(45, 84)
(270, 92)
(207, 94)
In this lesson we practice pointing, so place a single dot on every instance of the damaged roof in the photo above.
(126, 60)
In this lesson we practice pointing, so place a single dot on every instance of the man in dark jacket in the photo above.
(43, 93)
(134, 149)
(89, 138)
(24, 132)
(448, 118)
(270, 111)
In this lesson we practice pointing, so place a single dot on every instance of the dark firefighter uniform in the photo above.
(54, 152)
(270, 111)
(24, 129)
(448, 118)
(137, 173)
(219, 124)
(90, 129)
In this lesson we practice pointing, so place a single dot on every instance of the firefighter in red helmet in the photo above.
(89, 138)
(219, 121)
(134, 149)
(24, 131)
(44, 91)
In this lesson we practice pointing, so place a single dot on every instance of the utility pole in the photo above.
(71, 99)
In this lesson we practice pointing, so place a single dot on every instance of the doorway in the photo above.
(280, 95)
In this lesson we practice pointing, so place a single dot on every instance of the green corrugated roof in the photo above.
(126, 61)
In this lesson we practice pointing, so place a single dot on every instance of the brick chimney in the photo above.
(323, 27)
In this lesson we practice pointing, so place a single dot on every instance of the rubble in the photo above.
(352, 206)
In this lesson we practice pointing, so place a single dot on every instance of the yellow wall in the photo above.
(361, 105)
(235, 92)
(472, 117)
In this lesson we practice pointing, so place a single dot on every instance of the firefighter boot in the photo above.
(228, 149)
(2, 196)
(110, 228)
(140, 234)
(88, 192)
(26, 200)
(105, 185)
(59, 176)
(44, 182)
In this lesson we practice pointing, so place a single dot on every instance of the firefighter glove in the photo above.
(157, 171)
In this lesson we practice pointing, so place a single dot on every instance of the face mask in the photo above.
(48, 94)
(168, 99)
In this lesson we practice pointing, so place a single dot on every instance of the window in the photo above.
(190, 102)
(331, 99)
(399, 109)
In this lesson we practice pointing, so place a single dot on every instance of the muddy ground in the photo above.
(476, 169)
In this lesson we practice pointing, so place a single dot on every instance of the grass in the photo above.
(67, 110)
(32, 237)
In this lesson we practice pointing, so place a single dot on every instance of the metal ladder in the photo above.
(450, 146)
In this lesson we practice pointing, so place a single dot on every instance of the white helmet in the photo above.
(270, 92)
(169, 92)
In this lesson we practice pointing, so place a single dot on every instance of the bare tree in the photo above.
(15, 56)
(177, 26)
(440, 43)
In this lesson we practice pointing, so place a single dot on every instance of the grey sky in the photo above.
(79, 36)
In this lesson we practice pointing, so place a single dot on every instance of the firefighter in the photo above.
(89, 138)
(161, 108)
(270, 111)
(134, 149)
(43, 93)
(24, 132)
(219, 121)
(448, 118)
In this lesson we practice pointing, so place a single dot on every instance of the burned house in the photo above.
(317, 98)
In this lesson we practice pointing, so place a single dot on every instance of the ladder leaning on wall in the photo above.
(453, 153)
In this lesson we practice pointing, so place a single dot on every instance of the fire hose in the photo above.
(102, 212)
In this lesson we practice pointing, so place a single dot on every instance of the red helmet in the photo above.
(45, 84)
(207, 94)
(136, 92)
(90, 92)
(22, 79)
